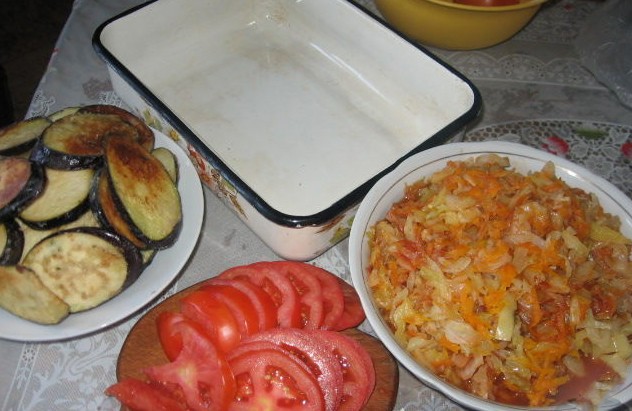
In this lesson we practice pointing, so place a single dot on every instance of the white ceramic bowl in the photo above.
(390, 189)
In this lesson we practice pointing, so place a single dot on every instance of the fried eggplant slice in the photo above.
(33, 236)
(85, 266)
(148, 256)
(66, 111)
(18, 138)
(21, 181)
(144, 193)
(23, 294)
(11, 242)
(75, 141)
(105, 209)
(65, 198)
(145, 136)
(168, 160)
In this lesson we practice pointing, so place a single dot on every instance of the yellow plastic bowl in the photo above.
(443, 24)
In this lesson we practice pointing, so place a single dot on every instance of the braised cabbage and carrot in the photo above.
(513, 287)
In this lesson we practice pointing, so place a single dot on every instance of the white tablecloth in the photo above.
(535, 76)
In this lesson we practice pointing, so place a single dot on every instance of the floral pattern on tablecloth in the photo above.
(604, 148)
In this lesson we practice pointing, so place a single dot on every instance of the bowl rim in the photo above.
(522, 5)
(331, 214)
(441, 154)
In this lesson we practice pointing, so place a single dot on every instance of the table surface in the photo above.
(534, 88)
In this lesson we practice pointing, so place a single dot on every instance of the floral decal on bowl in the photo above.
(214, 181)
(342, 231)
(209, 175)
(159, 124)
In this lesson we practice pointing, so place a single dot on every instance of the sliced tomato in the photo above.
(356, 365)
(170, 340)
(140, 395)
(317, 357)
(353, 313)
(308, 287)
(239, 305)
(262, 302)
(277, 285)
(200, 371)
(215, 318)
(269, 379)
(247, 346)
(333, 298)
(169, 334)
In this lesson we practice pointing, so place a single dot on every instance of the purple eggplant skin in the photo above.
(15, 243)
(58, 204)
(128, 166)
(20, 137)
(160, 244)
(58, 160)
(148, 256)
(95, 204)
(145, 136)
(32, 189)
(75, 141)
(60, 220)
(106, 211)
(135, 265)
(150, 243)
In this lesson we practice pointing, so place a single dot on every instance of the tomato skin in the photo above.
(170, 340)
(488, 3)
(333, 298)
(225, 345)
(262, 302)
(357, 367)
(239, 305)
(169, 334)
(200, 371)
(215, 318)
(278, 286)
(140, 395)
(269, 379)
(353, 313)
(309, 290)
(292, 287)
(317, 357)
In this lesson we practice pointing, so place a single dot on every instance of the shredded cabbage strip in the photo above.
(501, 282)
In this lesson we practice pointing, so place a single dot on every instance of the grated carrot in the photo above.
(480, 245)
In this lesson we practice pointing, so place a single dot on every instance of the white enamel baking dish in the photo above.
(291, 109)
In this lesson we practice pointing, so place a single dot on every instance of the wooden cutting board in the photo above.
(142, 349)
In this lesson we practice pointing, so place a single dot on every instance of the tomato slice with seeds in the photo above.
(268, 379)
(333, 298)
(141, 395)
(239, 305)
(356, 365)
(214, 317)
(278, 286)
(262, 302)
(317, 357)
(308, 287)
(200, 371)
